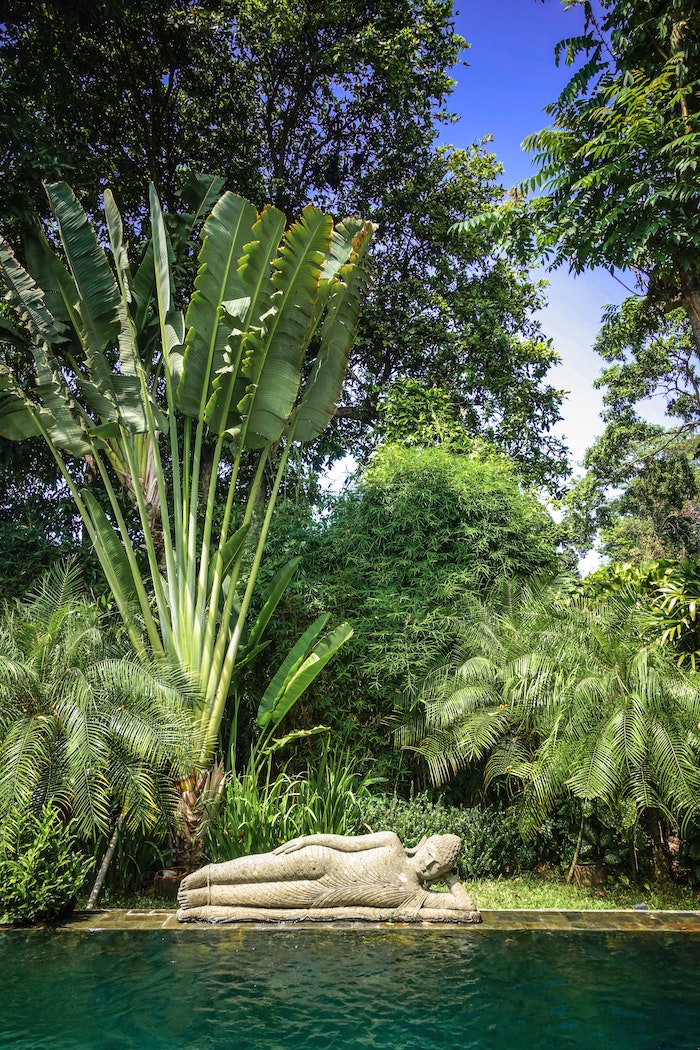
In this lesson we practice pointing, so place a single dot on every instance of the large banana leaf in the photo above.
(28, 298)
(121, 577)
(103, 312)
(321, 392)
(299, 671)
(65, 419)
(116, 240)
(244, 320)
(226, 231)
(97, 291)
(290, 665)
(17, 421)
(60, 292)
(275, 375)
(271, 600)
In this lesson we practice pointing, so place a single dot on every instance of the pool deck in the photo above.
(604, 921)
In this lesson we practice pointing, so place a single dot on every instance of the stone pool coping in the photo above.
(512, 920)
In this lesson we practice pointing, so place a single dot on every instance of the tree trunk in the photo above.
(690, 298)
(660, 858)
(106, 860)
(577, 852)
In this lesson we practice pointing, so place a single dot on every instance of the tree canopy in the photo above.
(451, 314)
(398, 555)
(617, 187)
(294, 102)
(289, 102)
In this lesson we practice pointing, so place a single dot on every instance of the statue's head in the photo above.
(436, 856)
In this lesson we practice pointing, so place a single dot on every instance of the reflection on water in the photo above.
(385, 989)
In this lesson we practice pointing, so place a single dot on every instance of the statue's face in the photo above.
(431, 860)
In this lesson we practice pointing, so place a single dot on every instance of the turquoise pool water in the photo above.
(307, 989)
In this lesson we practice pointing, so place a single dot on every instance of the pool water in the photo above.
(306, 988)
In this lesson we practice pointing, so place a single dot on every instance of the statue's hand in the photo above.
(289, 847)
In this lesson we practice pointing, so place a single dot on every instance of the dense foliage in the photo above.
(41, 868)
(398, 555)
(564, 699)
(260, 810)
(254, 366)
(640, 489)
(332, 103)
(492, 845)
(451, 314)
(616, 187)
(84, 724)
(618, 165)
(570, 712)
(288, 102)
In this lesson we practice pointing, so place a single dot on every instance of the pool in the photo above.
(386, 989)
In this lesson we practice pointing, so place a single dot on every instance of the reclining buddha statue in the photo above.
(326, 877)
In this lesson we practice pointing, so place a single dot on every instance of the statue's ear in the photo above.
(414, 849)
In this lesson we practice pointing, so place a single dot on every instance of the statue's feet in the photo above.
(196, 897)
(196, 879)
(183, 897)
(193, 890)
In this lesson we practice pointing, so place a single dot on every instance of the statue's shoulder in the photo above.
(390, 836)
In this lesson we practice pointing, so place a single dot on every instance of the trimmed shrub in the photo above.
(491, 842)
(41, 870)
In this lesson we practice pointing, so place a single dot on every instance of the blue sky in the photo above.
(510, 77)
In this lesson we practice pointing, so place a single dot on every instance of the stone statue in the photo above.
(324, 877)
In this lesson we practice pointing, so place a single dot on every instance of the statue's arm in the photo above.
(456, 900)
(343, 843)
(458, 895)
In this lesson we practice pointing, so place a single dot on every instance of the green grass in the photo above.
(551, 891)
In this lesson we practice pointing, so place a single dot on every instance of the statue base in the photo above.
(217, 914)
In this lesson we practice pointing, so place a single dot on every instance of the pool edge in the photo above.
(506, 920)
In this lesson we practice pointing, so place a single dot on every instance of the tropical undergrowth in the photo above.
(419, 533)
(262, 809)
(42, 870)
(560, 701)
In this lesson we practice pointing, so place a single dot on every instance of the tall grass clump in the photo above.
(260, 811)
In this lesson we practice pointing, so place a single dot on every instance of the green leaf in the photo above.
(98, 302)
(275, 376)
(28, 297)
(226, 231)
(320, 395)
(116, 239)
(161, 254)
(112, 556)
(17, 420)
(245, 322)
(283, 677)
(301, 678)
(271, 600)
(228, 553)
(200, 193)
(65, 420)
(289, 738)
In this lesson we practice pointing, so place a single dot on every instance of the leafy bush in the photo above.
(259, 813)
(491, 842)
(41, 870)
(85, 721)
(398, 556)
